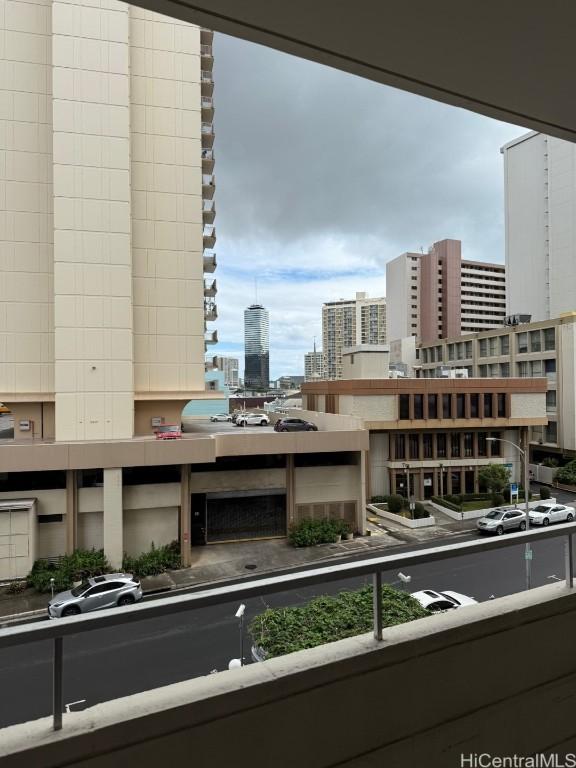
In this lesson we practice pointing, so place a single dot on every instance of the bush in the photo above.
(442, 501)
(549, 461)
(497, 500)
(80, 565)
(325, 619)
(378, 499)
(157, 560)
(566, 474)
(454, 499)
(15, 587)
(396, 503)
(308, 533)
(544, 492)
(420, 511)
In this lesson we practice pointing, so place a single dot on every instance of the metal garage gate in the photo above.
(234, 516)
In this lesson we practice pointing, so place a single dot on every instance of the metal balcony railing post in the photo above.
(377, 604)
(568, 561)
(57, 683)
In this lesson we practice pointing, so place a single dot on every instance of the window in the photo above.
(522, 342)
(425, 356)
(504, 370)
(50, 518)
(551, 434)
(536, 368)
(482, 371)
(446, 406)
(455, 445)
(413, 446)
(522, 369)
(495, 447)
(488, 406)
(535, 344)
(404, 406)
(432, 354)
(550, 402)
(474, 406)
(450, 351)
(468, 349)
(418, 406)
(432, 409)
(460, 406)
(504, 345)
(501, 405)
(483, 347)
(482, 444)
(549, 339)
(492, 345)
(441, 445)
(427, 446)
(550, 368)
(399, 447)
(468, 444)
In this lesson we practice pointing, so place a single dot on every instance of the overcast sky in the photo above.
(323, 177)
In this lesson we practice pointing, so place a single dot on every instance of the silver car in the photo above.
(502, 519)
(95, 593)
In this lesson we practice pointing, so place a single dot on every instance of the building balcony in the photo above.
(206, 36)
(207, 161)
(207, 133)
(206, 57)
(209, 237)
(208, 186)
(207, 106)
(211, 337)
(208, 212)
(210, 310)
(210, 288)
(209, 262)
(206, 83)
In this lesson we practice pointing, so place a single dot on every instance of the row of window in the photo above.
(493, 346)
(453, 406)
(444, 445)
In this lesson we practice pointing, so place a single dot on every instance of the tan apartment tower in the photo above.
(438, 294)
(108, 208)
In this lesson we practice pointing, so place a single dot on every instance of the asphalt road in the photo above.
(107, 664)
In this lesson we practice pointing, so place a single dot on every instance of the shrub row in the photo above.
(80, 565)
(567, 474)
(308, 532)
(443, 501)
(325, 619)
(157, 560)
(399, 505)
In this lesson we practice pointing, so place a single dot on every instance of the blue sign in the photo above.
(513, 489)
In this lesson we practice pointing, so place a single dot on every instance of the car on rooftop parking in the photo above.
(294, 425)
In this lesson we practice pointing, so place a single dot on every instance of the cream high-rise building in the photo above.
(106, 210)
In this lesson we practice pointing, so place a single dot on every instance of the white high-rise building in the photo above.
(230, 368)
(347, 323)
(540, 207)
(256, 347)
(313, 365)
(107, 209)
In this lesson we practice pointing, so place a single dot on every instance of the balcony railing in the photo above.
(207, 133)
(210, 310)
(210, 288)
(208, 186)
(206, 56)
(209, 262)
(208, 211)
(206, 36)
(207, 105)
(206, 83)
(210, 338)
(209, 237)
(56, 631)
(207, 160)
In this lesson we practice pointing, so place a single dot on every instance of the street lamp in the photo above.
(240, 615)
(524, 454)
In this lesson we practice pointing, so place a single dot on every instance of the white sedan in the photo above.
(442, 601)
(550, 512)
(252, 419)
(221, 417)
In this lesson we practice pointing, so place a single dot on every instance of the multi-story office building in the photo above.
(313, 365)
(348, 322)
(256, 347)
(107, 167)
(545, 349)
(438, 294)
(230, 367)
(540, 200)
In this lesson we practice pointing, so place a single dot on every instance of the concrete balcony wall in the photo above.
(433, 689)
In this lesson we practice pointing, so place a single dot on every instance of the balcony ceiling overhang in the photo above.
(513, 61)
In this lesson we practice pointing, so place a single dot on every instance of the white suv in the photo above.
(252, 419)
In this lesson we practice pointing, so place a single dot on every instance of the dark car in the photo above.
(294, 425)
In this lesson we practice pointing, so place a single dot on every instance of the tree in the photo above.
(566, 474)
(494, 477)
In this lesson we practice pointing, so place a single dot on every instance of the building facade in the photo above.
(107, 139)
(546, 349)
(540, 206)
(438, 294)
(230, 366)
(256, 347)
(346, 323)
(313, 365)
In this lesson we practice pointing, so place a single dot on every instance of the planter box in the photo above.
(423, 522)
(474, 514)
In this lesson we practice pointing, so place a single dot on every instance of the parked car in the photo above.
(294, 425)
(252, 419)
(112, 589)
(236, 415)
(221, 417)
(502, 519)
(442, 601)
(550, 512)
(168, 432)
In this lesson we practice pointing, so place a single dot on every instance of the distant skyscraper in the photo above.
(256, 347)
(229, 366)
(349, 322)
(313, 364)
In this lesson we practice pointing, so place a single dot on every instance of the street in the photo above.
(111, 663)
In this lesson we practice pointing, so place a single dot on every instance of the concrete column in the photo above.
(185, 513)
(290, 505)
(113, 517)
(71, 511)
(364, 479)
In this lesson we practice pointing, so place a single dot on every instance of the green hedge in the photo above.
(443, 501)
(566, 474)
(308, 533)
(80, 565)
(157, 560)
(279, 631)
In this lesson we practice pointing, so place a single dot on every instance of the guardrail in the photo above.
(58, 629)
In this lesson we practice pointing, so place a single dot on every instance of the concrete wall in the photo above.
(142, 527)
(237, 480)
(369, 407)
(318, 484)
(379, 456)
(321, 695)
(527, 406)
